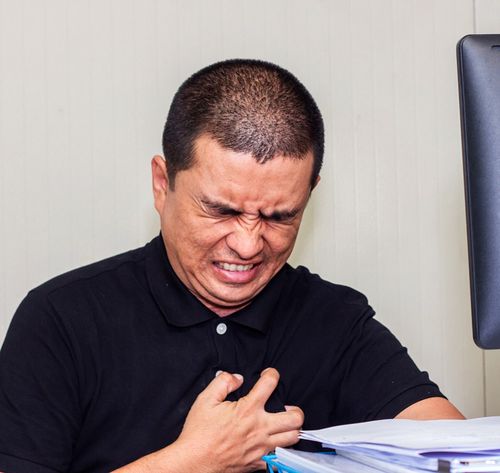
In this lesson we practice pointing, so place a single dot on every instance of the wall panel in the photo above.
(84, 90)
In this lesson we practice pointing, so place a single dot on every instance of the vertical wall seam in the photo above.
(483, 355)
(474, 18)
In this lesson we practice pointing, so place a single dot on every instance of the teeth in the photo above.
(235, 267)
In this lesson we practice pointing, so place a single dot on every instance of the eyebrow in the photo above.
(220, 207)
(226, 209)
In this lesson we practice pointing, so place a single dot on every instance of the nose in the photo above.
(246, 240)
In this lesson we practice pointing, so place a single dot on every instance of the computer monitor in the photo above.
(479, 88)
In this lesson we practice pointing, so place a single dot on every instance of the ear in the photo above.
(160, 181)
(316, 182)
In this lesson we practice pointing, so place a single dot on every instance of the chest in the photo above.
(142, 377)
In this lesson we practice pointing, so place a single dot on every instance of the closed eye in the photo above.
(226, 212)
(220, 210)
(281, 217)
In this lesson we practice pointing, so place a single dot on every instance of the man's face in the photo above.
(231, 223)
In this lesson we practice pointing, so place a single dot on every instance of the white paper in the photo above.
(307, 462)
(419, 435)
(381, 464)
(460, 463)
(351, 462)
(398, 445)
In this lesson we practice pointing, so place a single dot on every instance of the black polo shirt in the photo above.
(101, 365)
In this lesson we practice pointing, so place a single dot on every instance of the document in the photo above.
(418, 436)
(399, 445)
(306, 462)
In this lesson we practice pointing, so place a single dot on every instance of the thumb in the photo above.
(223, 384)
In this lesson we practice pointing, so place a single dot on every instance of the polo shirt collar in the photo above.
(182, 309)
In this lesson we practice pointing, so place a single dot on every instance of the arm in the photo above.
(222, 436)
(431, 408)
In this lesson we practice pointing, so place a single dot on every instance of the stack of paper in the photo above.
(306, 462)
(398, 445)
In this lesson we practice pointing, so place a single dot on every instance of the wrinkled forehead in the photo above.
(238, 178)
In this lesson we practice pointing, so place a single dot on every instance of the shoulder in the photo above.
(72, 308)
(113, 268)
(314, 286)
(81, 290)
(309, 301)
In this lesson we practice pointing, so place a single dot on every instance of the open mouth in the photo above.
(234, 267)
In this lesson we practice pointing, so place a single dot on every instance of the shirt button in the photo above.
(221, 328)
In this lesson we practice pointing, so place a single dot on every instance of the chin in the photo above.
(230, 299)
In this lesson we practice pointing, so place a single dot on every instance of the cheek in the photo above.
(203, 236)
(280, 240)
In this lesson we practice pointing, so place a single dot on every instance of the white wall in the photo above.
(84, 89)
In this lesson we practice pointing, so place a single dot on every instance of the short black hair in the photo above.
(248, 106)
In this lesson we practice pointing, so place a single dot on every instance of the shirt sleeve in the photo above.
(380, 379)
(39, 404)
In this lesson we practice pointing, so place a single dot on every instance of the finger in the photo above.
(261, 465)
(292, 419)
(263, 388)
(223, 384)
(284, 439)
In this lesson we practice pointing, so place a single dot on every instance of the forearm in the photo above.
(431, 408)
(175, 458)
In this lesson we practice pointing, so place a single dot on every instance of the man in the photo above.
(204, 350)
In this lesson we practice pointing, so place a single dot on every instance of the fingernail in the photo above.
(238, 375)
(263, 371)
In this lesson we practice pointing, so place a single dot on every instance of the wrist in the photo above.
(193, 457)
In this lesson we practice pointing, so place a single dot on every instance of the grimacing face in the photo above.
(231, 223)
